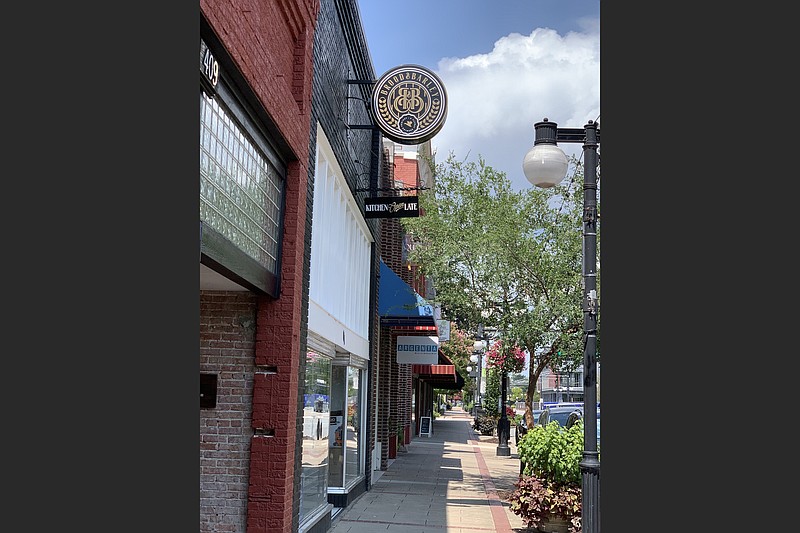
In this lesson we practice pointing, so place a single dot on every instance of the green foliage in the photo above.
(458, 348)
(491, 398)
(551, 481)
(509, 260)
(553, 453)
(517, 394)
(536, 501)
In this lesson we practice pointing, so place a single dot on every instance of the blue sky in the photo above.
(505, 64)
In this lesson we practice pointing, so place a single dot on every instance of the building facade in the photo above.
(341, 339)
(563, 386)
(301, 394)
(255, 103)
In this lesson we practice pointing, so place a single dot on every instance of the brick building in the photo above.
(340, 339)
(255, 103)
(300, 388)
(410, 386)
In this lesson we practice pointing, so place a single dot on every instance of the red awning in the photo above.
(434, 370)
(443, 375)
(444, 368)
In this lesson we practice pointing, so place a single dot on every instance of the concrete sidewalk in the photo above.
(452, 482)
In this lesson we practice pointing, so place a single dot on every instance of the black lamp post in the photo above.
(478, 349)
(545, 165)
(469, 373)
(504, 424)
(476, 358)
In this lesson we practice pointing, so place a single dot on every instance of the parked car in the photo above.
(522, 427)
(566, 416)
(598, 428)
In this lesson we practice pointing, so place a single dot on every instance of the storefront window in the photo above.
(338, 436)
(353, 467)
(316, 416)
(346, 446)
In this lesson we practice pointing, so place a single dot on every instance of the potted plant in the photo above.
(548, 493)
(514, 419)
(485, 424)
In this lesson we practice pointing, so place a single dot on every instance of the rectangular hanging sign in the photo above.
(391, 207)
(421, 350)
(443, 328)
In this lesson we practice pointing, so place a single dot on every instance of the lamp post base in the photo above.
(503, 432)
(590, 491)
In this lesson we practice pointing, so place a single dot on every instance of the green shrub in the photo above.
(553, 453)
(550, 484)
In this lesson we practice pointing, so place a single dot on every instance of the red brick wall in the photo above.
(391, 231)
(227, 346)
(395, 379)
(273, 506)
(271, 43)
(406, 171)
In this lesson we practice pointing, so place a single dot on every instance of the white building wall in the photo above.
(340, 258)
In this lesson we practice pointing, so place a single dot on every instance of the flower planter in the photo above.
(555, 524)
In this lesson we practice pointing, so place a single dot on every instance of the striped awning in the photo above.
(441, 376)
(434, 370)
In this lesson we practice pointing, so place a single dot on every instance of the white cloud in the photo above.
(495, 98)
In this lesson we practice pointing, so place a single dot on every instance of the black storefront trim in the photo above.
(221, 255)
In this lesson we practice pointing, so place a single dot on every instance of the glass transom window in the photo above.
(240, 189)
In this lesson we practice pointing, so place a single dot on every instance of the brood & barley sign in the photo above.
(410, 104)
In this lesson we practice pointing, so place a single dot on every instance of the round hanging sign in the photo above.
(410, 104)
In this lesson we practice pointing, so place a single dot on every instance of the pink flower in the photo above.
(507, 360)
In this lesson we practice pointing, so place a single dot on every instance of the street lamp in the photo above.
(476, 358)
(545, 165)
(469, 372)
(504, 424)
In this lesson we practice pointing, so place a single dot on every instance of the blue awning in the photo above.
(399, 304)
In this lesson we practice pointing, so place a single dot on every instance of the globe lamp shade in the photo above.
(545, 165)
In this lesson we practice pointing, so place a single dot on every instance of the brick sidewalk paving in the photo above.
(450, 482)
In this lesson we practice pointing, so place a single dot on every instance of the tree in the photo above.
(458, 349)
(491, 399)
(517, 394)
(509, 260)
